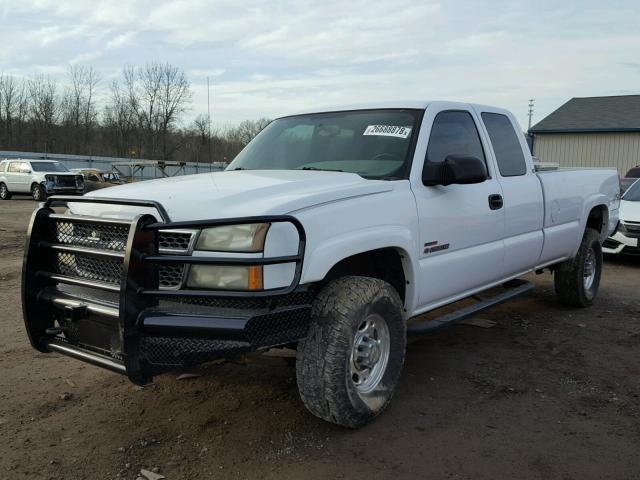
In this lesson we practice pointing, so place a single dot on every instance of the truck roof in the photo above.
(401, 104)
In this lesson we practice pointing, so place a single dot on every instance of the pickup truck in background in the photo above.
(327, 234)
(37, 178)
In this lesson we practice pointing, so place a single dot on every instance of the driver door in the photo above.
(461, 227)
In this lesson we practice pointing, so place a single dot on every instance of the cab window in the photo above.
(506, 145)
(14, 167)
(454, 133)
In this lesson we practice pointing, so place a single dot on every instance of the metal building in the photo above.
(591, 132)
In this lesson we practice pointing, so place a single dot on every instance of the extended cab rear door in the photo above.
(460, 230)
(521, 190)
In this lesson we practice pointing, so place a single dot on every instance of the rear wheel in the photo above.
(349, 364)
(4, 192)
(37, 192)
(577, 280)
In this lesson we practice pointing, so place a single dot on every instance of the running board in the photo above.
(515, 288)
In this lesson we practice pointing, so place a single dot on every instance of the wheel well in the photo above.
(384, 263)
(598, 218)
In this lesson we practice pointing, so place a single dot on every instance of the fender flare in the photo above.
(594, 201)
(319, 260)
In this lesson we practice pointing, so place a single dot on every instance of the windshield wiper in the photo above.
(322, 169)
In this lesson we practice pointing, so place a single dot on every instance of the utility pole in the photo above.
(531, 100)
(209, 123)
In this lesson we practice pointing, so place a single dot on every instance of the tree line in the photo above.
(139, 116)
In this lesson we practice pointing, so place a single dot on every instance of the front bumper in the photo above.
(64, 190)
(135, 327)
(620, 243)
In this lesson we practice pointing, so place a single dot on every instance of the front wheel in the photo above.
(38, 193)
(348, 366)
(577, 280)
(4, 192)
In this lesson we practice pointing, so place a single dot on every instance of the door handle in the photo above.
(495, 201)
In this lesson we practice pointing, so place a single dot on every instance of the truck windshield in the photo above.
(48, 167)
(376, 144)
(633, 193)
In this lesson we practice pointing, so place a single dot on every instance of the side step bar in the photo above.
(516, 288)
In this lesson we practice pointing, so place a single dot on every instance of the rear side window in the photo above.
(3, 166)
(454, 133)
(14, 167)
(506, 146)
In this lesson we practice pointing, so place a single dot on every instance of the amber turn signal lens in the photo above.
(255, 278)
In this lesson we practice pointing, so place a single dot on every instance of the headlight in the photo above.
(225, 277)
(79, 181)
(234, 238)
(622, 228)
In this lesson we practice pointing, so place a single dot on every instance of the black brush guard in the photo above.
(135, 333)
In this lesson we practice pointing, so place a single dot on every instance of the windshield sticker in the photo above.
(387, 131)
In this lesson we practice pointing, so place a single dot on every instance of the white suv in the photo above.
(38, 178)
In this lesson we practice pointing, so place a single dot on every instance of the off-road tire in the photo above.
(38, 193)
(569, 275)
(5, 194)
(323, 359)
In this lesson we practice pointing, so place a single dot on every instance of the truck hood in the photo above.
(629, 211)
(230, 194)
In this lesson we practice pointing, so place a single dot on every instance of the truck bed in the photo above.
(569, 194)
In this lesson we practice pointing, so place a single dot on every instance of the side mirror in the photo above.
(454, 169)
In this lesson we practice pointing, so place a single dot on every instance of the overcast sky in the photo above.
(269, 57)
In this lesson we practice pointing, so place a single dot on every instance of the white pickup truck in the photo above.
(327, 233)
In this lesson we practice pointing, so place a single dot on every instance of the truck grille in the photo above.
(171, 275)
(175, 240)
(88, 268)
(113, 237)
(93, 235)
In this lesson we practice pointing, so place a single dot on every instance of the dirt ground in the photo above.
(549, 392)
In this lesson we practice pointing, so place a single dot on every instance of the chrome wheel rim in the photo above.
(3, 191)
(35, 192)
(590, 266)
(370, 353)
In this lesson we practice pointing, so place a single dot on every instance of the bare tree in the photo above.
(121, 121)
(44, 108)
(174, 99)
(80, 113)
(8, 90)
(141, 117)
(160, 94)
(247, 129)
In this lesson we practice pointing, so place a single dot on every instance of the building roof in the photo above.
(593, 114)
